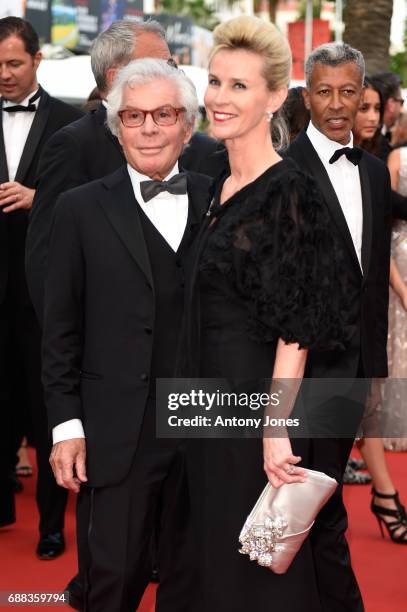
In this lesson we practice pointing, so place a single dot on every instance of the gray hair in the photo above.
(147, 70)
(114, 47)
(334, 54)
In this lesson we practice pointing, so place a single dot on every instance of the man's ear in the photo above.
(119, 138)
(189, 129)
(305, 95)
(110, 75)
(37, 59)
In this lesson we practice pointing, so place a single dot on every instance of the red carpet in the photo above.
(379, 564)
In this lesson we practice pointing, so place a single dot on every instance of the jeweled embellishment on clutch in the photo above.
(259, 541)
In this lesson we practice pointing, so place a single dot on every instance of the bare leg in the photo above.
(372, 451)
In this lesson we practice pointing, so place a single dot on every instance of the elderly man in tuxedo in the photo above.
(28, 118)
(356, 190)
(87, 150)
(113, 307)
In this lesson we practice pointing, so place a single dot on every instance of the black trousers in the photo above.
(20, 351)
(115, 526)
(337, 585)
(7, 506)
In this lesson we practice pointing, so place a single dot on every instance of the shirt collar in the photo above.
(136, 178)
(323, 145)
(24, 102)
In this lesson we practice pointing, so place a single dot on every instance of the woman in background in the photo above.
(394, 401)
(385, 501)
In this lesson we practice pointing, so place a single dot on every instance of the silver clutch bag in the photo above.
(282, 518)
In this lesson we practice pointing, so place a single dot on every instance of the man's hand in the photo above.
(14, 196)
(68, 463)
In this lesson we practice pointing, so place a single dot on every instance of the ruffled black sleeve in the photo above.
(277, 249)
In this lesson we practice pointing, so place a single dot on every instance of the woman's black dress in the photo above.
(264, 270)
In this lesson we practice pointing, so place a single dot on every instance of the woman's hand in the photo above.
(280, 463)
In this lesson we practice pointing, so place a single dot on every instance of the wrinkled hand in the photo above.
(13, 196)
(278, 459)
(68, 463)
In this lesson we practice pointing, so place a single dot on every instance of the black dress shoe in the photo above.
(74, 588)
(7, 519)
(16, 483)
(155, 576)
(51, 546)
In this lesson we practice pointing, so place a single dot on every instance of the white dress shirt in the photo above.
(16, 127)
(169, 214)
(345, 179)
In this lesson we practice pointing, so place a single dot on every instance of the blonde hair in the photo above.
(263, 38)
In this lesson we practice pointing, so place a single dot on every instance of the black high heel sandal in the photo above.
(399, 514)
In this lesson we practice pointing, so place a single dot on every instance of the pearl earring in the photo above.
(269, 115)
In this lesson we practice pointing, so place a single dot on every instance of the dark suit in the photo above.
(81, 152)
(365, 356)
(103, 348)
(368, 292)
(19, 331)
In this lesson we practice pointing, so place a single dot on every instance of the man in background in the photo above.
(28, 117)
(356, 190)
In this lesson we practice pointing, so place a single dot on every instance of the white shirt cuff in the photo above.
(67, 431)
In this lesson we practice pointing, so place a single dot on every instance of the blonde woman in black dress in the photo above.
(261, 294)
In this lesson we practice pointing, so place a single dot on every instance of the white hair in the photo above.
(141, 72)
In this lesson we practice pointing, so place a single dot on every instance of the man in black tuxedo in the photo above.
(356, 189)
(86, 150)
(29, 116)
(111, 328)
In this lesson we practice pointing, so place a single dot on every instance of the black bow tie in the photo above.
(19, 108)
(177, 185)
(354, 155)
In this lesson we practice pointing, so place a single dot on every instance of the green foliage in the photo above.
(316, 9)
(197, 10)
(398, 64)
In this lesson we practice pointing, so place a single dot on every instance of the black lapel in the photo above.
(3, 158)
(198, 202)
(367, 215)
(120, 207)
(310, 161)
(34, 136)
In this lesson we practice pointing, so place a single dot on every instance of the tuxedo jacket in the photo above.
(99, 300)
(368, 291)
(81, 152)
(50, 116)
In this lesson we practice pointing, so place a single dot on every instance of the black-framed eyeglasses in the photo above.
(401, 100)
(163, 116)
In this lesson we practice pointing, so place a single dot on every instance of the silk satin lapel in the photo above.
(3, 158)
(367, 216)
(120, 207)
(34, 136)
(198, 200)
(317, 170)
